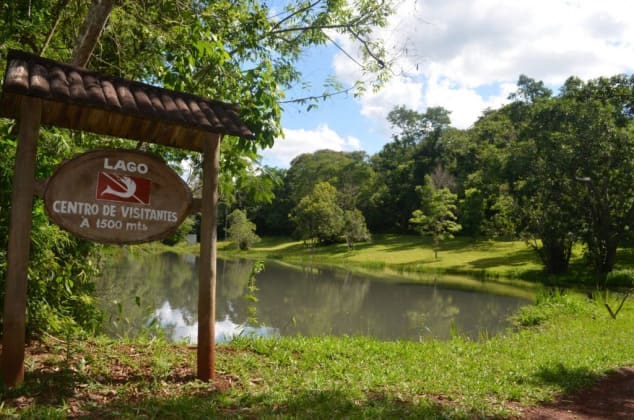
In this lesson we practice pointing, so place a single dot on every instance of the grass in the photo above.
(563, 344)
(409, 253)
(480, 258)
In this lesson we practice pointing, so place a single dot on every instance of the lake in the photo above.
(143, 291)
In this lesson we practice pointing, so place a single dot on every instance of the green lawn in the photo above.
(482, 258)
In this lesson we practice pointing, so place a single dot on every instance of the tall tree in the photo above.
(354, 227)
(415, 151)
(437, 215)
(346, 171)
(598, 126)
(317, 217)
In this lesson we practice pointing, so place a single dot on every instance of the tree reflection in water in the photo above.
(308, 301)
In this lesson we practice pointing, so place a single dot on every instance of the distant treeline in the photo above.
(554, 170)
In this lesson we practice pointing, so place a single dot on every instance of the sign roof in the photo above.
(76, 98)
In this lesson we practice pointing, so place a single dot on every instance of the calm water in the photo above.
(307, 301)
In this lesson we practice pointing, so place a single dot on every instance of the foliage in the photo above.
(61, 267)
(181, 232)
(471, 209)
(354, 228)
(251, 293)
(602, 133)
(241, 230)
(583, 148)
(348, 172)
(554, 170)
(620, 278)
(437, 217)
(317, 217)
(416, 151)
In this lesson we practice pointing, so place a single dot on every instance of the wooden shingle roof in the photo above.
(73, 97)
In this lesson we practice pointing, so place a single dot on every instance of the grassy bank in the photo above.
(566, 343)
(407, 253)
(493, 259)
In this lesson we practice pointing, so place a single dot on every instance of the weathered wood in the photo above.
(60, 84)
(207, 274)
(18, 75)
(174, 116)
(39, 82)
(14, 334)
(117, 196)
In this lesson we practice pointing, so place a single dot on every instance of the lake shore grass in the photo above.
(480, 258)
(560, 345)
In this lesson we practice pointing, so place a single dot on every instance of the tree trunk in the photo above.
(90, 31)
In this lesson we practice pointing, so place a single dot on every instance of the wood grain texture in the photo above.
(14, 315)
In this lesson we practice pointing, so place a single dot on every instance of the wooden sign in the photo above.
(117, 196)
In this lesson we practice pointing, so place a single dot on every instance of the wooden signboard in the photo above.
(109, 196)
(117, 196)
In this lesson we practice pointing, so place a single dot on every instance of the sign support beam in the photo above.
(14, 317)
(207, 274)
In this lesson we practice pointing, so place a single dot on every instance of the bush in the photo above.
(181, 233)
(62, 267)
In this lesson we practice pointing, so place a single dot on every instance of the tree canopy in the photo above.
(552, 169)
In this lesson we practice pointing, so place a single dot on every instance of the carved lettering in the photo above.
(128, 166)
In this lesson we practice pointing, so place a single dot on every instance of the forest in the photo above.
(555, 170)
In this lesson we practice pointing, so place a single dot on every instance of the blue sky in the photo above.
(464, 55)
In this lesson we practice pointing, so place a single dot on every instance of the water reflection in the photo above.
(308, 301)
(180, 327)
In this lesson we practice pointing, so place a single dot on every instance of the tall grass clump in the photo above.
(620, 278)
(548, 303)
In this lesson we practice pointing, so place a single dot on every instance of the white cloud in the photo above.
(296, 142)
(467, 55)
(450, 51)
(184, 330)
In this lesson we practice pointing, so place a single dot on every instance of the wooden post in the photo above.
(14, 334)
(207, 274)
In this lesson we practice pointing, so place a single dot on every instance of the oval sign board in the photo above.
(117, 196)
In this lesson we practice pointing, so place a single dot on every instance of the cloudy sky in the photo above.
(464, 55)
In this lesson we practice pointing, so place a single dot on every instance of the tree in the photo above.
(346, 171)
(437, 217)
(272, 218)
(317, 216)
(415, 151)
(530, 90)
(241, 230)
(472, 212)
(354, 227)
(596, 123)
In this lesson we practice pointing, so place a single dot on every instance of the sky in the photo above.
(463, 55)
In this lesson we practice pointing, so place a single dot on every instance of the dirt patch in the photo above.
(611, 398)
